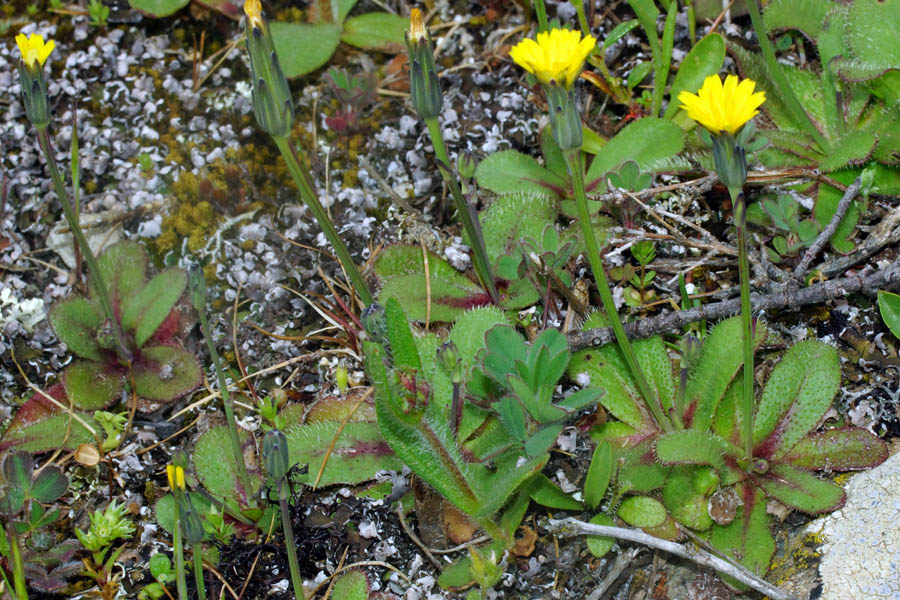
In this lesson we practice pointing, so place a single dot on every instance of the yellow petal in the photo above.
(719, 106)
(555, 57)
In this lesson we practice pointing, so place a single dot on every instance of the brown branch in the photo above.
(829, 230)
(790, 296)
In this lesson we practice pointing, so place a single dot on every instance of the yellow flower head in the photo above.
(34, 50)
(253, 10)
(175, 475)
(556, 57)
(417, 32)
(721, 107)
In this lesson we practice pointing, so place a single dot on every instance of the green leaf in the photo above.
(508, 171)
(839, 450)
(512, 415)
(598, 475)
(165, 512)
(75, 322)
(469, 330)
(684, 503)
(403, 346)
(797, 395)
(599, 545)
(352, 585)
(145, 311)
(164, 373)
(646, 141)
(159, 8)
(642, 511)
(49, 433)
(720, 361)
(803, 15)
(401, 270)
(17, 470)
(511, 218)
(873, 31)
(889, 308)
(704, 59)
(802, 490)
(91, 385)
(358, 453)
(124, 268)
(542, 440)
(377, 31)
(851, 149)
(49, 485)
(303, 48)
(215, 467)
(747, 538)
(692, 447)
(546, 493)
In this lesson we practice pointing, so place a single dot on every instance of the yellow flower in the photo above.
(175, 475)
(417, 31)
(556, 57)
(253, 10)
(34, 50)
(723, 107)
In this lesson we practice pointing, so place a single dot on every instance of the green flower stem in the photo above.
(197, 557)
(178, 548)
(96, 277)
(18, 566)
(540, 9)
(473, 230)
(228, 403)
(740, 223)
(576, 169)
(775, 71)
(290, 546)
(582, 18)
(308, 194)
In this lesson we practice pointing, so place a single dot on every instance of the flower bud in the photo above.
(191, 524)
(466, 165)
(275, 454)
(197, 287)
(449, 361)
(34, 96)
(424, 87)
(731, 162)
(272, 103)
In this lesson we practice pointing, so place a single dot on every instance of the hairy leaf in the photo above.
(802, 490)
(508, 172)
(642, 511)
(598, 475)
(838, 450)
(164, 373)
(92, 385)
(75, 322)
(147, 308)
(797, 395)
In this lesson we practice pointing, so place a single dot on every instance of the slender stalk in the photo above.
(540, 10)
(96, 277)
(228, 403)
(178, 548)
(740, 222)
(576, 170)
(470, 224)
(777, 74)
(308, 194)
(197, 557)
(290, 546)
(582, 18)
(18, 566)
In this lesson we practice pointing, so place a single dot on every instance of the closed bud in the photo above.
(375, 323)
(449, 361)
(424, 87)
(191, 523)
(731, 162)
(271, 96)
(275, 454)
(197, 287)
(466, 165)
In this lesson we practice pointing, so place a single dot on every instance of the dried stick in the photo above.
(789, 296)
(886, 232)
(829, 230)
(701, 557)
